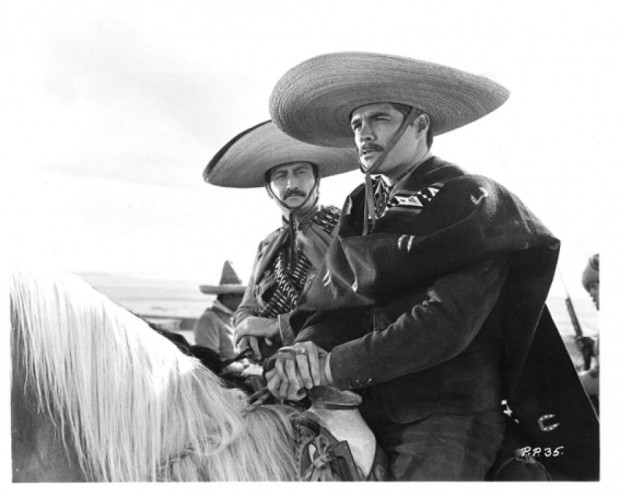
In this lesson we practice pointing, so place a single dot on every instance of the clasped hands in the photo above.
(296, 369)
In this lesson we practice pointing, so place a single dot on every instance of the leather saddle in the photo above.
(334, 443)
(333, 440)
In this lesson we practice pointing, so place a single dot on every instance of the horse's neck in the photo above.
(37, 450)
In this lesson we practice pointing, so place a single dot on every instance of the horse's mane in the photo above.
(134, 407)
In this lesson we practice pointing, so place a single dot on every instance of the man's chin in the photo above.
(366, 165)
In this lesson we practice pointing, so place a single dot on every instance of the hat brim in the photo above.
(313, 101)
(244, 160)
(221, 289)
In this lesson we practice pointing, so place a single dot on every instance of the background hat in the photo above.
(313, 101)
(591, 272)
(229, 282)
(244, 160)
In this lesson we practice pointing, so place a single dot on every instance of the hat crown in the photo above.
(229, 275)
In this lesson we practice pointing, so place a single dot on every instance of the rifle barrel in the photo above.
(573, 317)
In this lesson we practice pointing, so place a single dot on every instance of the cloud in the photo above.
(113, 65)
(138, 109)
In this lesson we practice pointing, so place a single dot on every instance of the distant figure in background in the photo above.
(290, 170)
(590, 278)
(214, 329)
(590, 377)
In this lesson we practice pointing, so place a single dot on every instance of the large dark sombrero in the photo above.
(313, 101)
(244, 160)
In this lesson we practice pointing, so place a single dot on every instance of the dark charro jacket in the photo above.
(435, 310)
(421, 343)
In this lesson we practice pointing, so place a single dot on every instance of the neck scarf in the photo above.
(312, 237)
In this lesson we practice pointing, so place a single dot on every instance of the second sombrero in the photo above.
(244, 160)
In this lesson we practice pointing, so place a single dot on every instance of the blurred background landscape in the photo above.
(176, 304)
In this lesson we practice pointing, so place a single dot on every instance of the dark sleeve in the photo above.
(432, 332)
(330, 328)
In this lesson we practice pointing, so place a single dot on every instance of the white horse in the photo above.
(98, 396)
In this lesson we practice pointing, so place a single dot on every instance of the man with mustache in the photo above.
(431, 300)
(291, 172)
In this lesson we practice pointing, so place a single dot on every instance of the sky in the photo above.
(111, 110)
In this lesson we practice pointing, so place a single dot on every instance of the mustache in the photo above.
(293, 191)
(371, 146)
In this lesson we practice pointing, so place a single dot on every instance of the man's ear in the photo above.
(423, 122)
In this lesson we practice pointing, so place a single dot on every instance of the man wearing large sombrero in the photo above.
(430, 303)
(263, 156)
